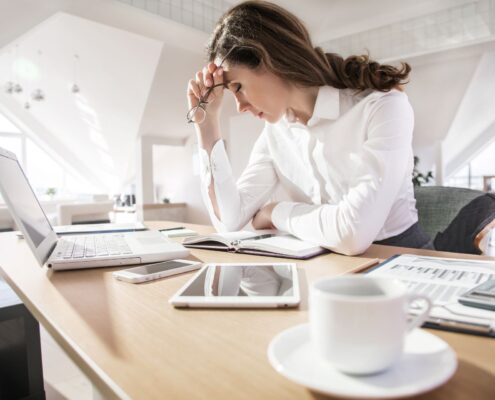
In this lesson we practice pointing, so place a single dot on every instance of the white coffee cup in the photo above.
(359, 323)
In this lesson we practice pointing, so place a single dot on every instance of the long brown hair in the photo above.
(259, 33)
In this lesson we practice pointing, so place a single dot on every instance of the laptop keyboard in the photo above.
(91, 246)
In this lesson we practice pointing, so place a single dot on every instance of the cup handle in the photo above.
(420, 318)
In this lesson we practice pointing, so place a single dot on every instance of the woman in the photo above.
(337, 135)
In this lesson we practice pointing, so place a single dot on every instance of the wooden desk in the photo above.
(132, 344)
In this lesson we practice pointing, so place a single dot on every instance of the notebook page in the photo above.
(284, 244)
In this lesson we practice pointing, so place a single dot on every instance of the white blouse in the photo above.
(348, 172)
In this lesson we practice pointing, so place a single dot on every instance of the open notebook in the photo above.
(262, 242)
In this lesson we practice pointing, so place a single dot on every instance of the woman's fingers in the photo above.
(218, 75)
(194, 88)
(193, 93)
(198, 88)
(209, 73)
(208, 77)
(200, 81)
(211, 67)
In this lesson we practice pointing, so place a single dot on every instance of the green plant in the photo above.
(418, 177)
(51, 192)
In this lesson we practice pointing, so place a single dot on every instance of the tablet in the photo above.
(241, 285)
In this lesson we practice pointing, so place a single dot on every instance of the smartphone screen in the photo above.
(158, 267)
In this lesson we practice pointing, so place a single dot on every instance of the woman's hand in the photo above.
(263, 218)
(210, 75)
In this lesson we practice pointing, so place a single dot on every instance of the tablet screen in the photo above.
(242, 280)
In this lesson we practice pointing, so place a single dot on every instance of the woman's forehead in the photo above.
(233, 72)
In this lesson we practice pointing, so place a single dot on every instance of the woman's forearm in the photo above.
(208, 134)
(230, 203)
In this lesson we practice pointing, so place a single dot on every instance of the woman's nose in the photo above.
(242, 106)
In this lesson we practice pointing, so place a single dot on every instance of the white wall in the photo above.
(176, 179)
(166, 108)
(474, 124)
(437, 86)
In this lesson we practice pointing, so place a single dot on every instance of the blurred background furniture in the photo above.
(489, 183)
(438, 205)
(84, 213)
(164, 212)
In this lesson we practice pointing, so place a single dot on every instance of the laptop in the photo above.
(75, 251)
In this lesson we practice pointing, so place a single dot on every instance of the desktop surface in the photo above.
(132, 344)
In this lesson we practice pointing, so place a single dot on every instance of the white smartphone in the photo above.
(149, 272)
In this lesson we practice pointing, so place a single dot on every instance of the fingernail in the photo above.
(220, 71)
(208, 82)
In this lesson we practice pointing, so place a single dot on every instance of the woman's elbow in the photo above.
(228, 225)
(351, 246)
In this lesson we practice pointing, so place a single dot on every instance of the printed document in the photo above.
(443, 280)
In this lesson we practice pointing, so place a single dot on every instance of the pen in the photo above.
(264, 236)
(365, 265)
(172, 229)
(450, 324)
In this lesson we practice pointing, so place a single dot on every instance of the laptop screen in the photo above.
(21, 200)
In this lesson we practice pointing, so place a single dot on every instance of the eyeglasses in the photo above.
(197, 114)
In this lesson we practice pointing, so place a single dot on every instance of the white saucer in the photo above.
(427, 363)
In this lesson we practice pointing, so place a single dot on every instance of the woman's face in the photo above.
(258, 91)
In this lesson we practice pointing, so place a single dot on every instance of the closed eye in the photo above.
(238, 88)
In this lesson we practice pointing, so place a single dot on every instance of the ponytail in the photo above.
(359, 72)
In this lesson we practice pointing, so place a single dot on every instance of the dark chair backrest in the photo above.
(438, 205)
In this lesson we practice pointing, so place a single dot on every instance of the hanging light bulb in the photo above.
(9, 87)
(75, 87)
(38, 94)
(17, 88)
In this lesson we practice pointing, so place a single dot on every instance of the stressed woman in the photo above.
(337, 135)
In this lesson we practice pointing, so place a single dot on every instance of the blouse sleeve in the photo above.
(384, 162)
(237, 201)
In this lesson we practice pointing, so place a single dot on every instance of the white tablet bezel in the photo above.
(178, 300)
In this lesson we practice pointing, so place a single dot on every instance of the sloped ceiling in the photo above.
(19, 16)
(474, 124)
(99, 124)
